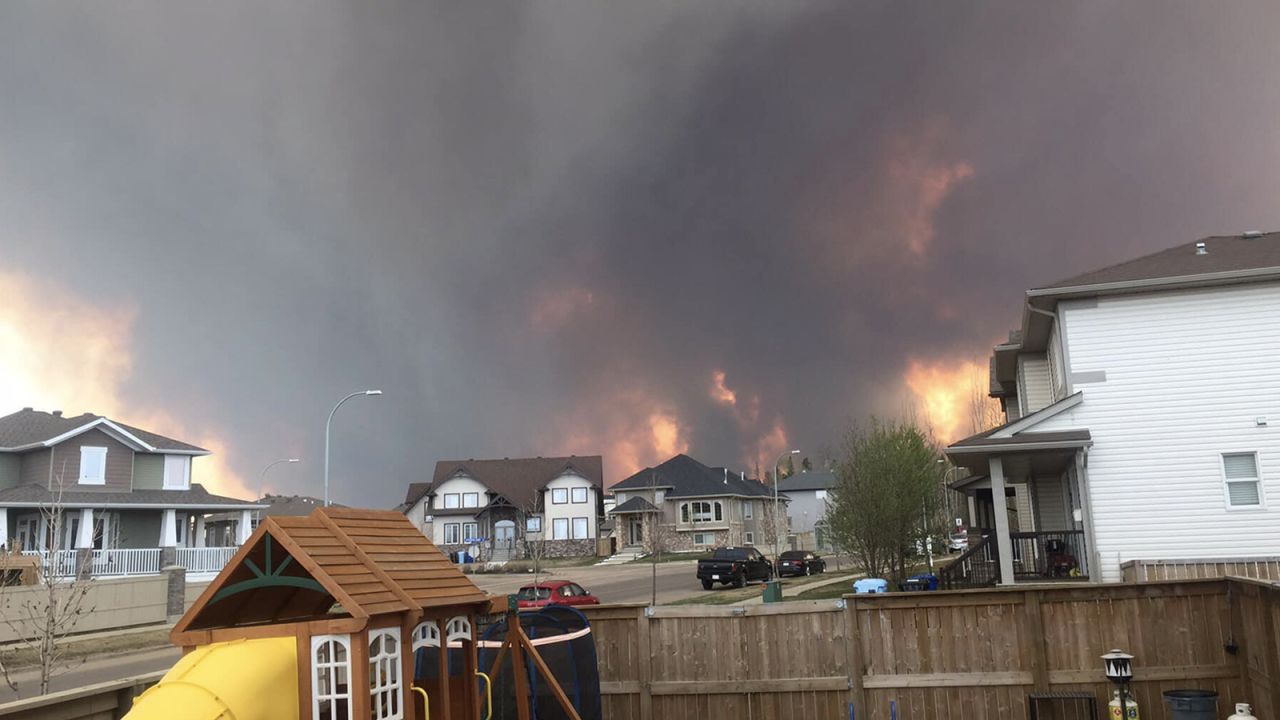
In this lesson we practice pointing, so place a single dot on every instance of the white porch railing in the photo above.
(205, 559)
(61, 563)
(142, 561)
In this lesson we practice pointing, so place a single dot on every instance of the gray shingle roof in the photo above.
(33, 494)
(28, 427)
(1225, 253)
(634, 505)
(516, 479)
(811, 480)
(689, 478)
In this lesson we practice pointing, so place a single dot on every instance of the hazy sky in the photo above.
(545, 226)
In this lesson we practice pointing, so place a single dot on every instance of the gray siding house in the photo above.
(99, 497)
(807, 510)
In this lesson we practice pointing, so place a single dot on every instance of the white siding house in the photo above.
(1162, 439)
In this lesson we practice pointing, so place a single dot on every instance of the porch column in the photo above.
(199, 531)
(169, 528)
(1000, 506)
(973, 510)
(84, 537)
(5, 539)
(244, 527)
(1094, 564)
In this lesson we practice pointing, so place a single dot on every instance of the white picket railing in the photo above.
(141, 561)
(61, 563)
(205, 559)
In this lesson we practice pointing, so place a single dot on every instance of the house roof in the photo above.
(808, 480)
(30, 429)
(686, 477)
(519, 480)
(369, 562)
(634, 505)
(35, 495)
(1224, 254)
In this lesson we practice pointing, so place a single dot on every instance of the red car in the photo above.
(560, 592)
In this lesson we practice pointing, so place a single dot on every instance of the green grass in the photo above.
(790, 586)
(667, 557)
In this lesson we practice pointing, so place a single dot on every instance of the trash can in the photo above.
(1192, 704)
(772, 591)
(919, 583)
(870, 585)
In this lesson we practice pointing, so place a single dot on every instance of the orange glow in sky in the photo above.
(944, 393)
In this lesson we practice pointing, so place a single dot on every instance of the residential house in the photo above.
(1143, 408)
(690, 506)
(498, 509)
(98, 488)
(807, 510)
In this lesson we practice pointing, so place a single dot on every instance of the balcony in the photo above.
(127, 562)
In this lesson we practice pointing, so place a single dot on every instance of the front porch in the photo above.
(1028, 512)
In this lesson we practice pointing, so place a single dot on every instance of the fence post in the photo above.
(1039, 649)
(176, 592)
(853, 651)
(1267, 603)
(84, 563)
(644, 663)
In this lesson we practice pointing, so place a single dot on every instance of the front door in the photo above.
(504, 539)
(637, 531)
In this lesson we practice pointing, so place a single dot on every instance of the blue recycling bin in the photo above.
(870, 585)
(921, 583)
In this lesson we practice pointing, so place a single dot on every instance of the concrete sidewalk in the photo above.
(797, 589)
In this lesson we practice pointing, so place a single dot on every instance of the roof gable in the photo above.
(686, 477)
(517, 479)
(29, 429)
(368, 562)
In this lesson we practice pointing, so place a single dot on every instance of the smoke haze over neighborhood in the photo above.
(630, 229)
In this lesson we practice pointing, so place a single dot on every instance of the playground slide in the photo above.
(239, 679)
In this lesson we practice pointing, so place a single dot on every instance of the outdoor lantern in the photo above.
(1118, 666)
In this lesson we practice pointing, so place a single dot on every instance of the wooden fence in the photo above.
(938, 656)
(105, 701)
(1259, 568)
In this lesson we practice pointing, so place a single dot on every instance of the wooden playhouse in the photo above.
(360, 600)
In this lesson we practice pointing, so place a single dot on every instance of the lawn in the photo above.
(790, 588)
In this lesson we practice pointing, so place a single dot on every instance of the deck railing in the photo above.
(205, 559)
(142, 561)
(1037, 556)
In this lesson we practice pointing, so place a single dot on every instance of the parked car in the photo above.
(559, 592)
(800, 562)
(735, 565)
(958, 541)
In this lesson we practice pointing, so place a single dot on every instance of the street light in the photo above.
(777, 534)
(327, 423)
(262, 481)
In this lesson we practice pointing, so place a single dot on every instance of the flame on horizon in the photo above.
(946, 394)
(62, 352)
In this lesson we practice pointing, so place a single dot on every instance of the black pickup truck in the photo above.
(734, 565)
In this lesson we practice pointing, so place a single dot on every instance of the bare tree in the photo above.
(535, 545)
(984, 411)
(41, 619)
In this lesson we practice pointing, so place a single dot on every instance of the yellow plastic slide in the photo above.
(235, 680)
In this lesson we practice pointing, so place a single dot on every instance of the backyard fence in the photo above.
(1259, 568)
(938, 656)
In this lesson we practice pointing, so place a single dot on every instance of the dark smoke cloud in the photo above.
(534, 224)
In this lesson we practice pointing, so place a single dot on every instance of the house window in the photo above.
(748, 509)
(580, 528)
(1241, 472)
(470, 531)
(751, 538)
(452, 500)
(719, 512)
(331, 677)
(451, 534)
(659, 496)
(704, 539)
(559, 496)
(579, 495)
(177, 472)
(29, 533)
(821, 494)
(533, 525)
(386, 698)
(470, 500)
(93, 465)
(560, 529)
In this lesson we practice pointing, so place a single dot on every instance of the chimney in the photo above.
(56, 413)
(1251, 234)
(1201, 249)
(28, 409)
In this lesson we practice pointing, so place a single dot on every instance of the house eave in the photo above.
(134, 506)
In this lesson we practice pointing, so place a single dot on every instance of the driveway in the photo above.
(628, 583)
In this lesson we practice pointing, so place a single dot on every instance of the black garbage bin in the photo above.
(1192, 704)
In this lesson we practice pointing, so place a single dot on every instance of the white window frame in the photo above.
(322, 671)
(750, 538)
(101, 453)
(699, 537)
(452, 501)
(748, 509)
(458, 628)
(456, 529)
(1257, 480)
(533, 524)
(471, 500)
(586, 528)
(579, 492)
(475, 530)
(179, 465)
(386, 694)
(559, 496)
(820, 495)
(560, 529)
(427, 634)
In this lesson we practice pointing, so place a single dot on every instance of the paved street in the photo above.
(630, 583)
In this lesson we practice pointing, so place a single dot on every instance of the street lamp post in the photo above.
(262, 480)
(329, 422)
(777, 528)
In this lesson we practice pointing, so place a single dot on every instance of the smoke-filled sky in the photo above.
(554, 226)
